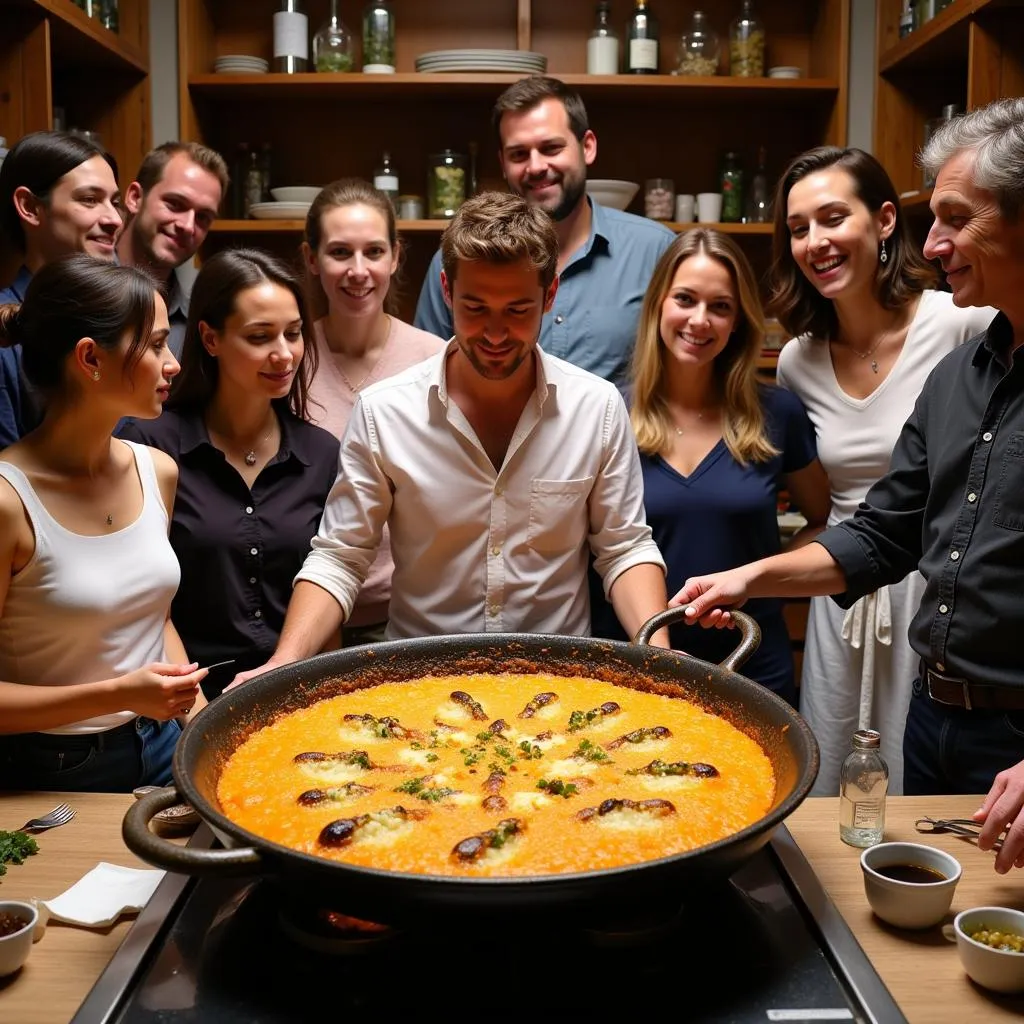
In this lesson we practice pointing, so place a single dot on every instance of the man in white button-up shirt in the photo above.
(496, 467)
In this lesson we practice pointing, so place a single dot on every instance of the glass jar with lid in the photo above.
(447, 174)
(379, 37)
(746, 43)
(698, 49)
(333, 45)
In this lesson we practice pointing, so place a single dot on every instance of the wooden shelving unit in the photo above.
(52, 54)
(969, 54)
(321, 126)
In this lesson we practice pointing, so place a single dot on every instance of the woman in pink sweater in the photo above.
(351, 251)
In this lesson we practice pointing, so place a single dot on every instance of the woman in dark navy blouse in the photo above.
(253, 473)
(716, 445)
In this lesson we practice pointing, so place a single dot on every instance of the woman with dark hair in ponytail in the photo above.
(92, 672)
(58, 195)
(254, 473)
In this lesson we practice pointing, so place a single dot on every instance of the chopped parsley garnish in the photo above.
(15, 847)
(588, 751)
(418, 788)
(432, 757)
(504, 753)
(530, 751)
(556, 787)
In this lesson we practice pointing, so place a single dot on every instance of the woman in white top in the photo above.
(850, 283)
(92, 673)
(352, 254)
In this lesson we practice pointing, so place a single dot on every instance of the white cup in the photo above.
(909, 904)
(684, 209)
(709, 207)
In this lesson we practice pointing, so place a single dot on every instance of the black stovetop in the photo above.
(766, 945)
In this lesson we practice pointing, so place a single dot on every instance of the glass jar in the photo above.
(333, 45)
(698, 49)
(659, 198)
(863, 783)
(109, 15)
(746, 44)
(446, 183)
(732, 189)
(924, 11)
(379, 37)
(949, 111)
(410, 207)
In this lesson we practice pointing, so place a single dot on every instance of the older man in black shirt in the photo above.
(952, 503)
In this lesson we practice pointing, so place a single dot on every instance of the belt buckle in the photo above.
(963, 684)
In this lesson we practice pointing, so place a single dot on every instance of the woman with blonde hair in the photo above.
(717, 445)
(352, 254)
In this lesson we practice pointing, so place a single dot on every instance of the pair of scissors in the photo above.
(957, 826)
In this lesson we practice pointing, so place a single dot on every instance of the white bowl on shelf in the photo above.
(296, 193)
(784, 71)
(612, 192)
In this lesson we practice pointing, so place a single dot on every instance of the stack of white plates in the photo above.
(239, 64)
(517, 61)
(279, 211)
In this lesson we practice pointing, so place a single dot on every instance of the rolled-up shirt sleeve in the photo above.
(619, 535)
(353, 522)
(882, 543)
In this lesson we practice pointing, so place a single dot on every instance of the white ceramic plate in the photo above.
(279, 211)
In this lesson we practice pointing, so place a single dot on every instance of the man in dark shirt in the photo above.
(952, 503)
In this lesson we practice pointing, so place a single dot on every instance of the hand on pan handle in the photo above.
(708, 598)
(1003, 809)
(161, 690)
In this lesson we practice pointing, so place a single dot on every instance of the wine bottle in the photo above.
(642, 53)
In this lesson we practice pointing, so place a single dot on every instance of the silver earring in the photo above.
(883, 256)
(95, 374)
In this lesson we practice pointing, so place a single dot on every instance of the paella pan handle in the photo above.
(181, 859)
(750, 639)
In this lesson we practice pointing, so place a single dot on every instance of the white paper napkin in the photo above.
(100, 897)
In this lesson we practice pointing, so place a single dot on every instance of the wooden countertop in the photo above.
(921, 969)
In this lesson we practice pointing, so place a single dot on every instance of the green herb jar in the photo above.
(378, 37)
(732, 189)
(446, 183)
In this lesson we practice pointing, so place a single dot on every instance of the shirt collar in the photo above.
(600, 234)
(193, 434)
(996, 342)
(548, 375)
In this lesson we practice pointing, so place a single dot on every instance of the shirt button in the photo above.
(248, 510)
(954, 555)
(252, 579)
(940, 666)
(987, 436)
(559, 319)
(258, 614)
(493, 610)
(495, 551)
(498, 490)
(254, 551)
(972, 497)
(943, 608)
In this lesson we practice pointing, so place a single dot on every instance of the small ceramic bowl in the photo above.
(995, 969)
(295, 194)
(909, 904)
(14, 948)
(784, 71)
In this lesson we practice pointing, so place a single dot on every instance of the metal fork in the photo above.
(60, 815)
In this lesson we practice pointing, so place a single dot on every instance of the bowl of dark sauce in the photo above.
(909, 885)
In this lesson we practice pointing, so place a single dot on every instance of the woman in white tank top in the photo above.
(92, 673)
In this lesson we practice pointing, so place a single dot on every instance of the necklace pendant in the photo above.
(874, 365)
(250, 457)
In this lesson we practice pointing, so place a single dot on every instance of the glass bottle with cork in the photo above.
(863, 784)
(758, 197)
(386, 180)
(332, 45)
(642, 51)
(603, 44)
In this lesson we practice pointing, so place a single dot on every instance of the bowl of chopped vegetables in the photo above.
(990, 941)
(17, 923)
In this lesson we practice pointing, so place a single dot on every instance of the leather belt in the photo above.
(960, 693)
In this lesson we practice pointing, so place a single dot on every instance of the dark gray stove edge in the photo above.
(848, 957)
(107, 995)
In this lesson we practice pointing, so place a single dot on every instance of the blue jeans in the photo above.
(137, 753)
(950, 750)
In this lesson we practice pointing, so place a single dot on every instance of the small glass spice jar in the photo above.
(659, 198)
(746, 43)
(410, 207)
(446, 183)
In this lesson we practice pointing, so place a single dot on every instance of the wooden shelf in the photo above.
(80, 41)
(411, 85)
(275, 227)
(941, 41)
